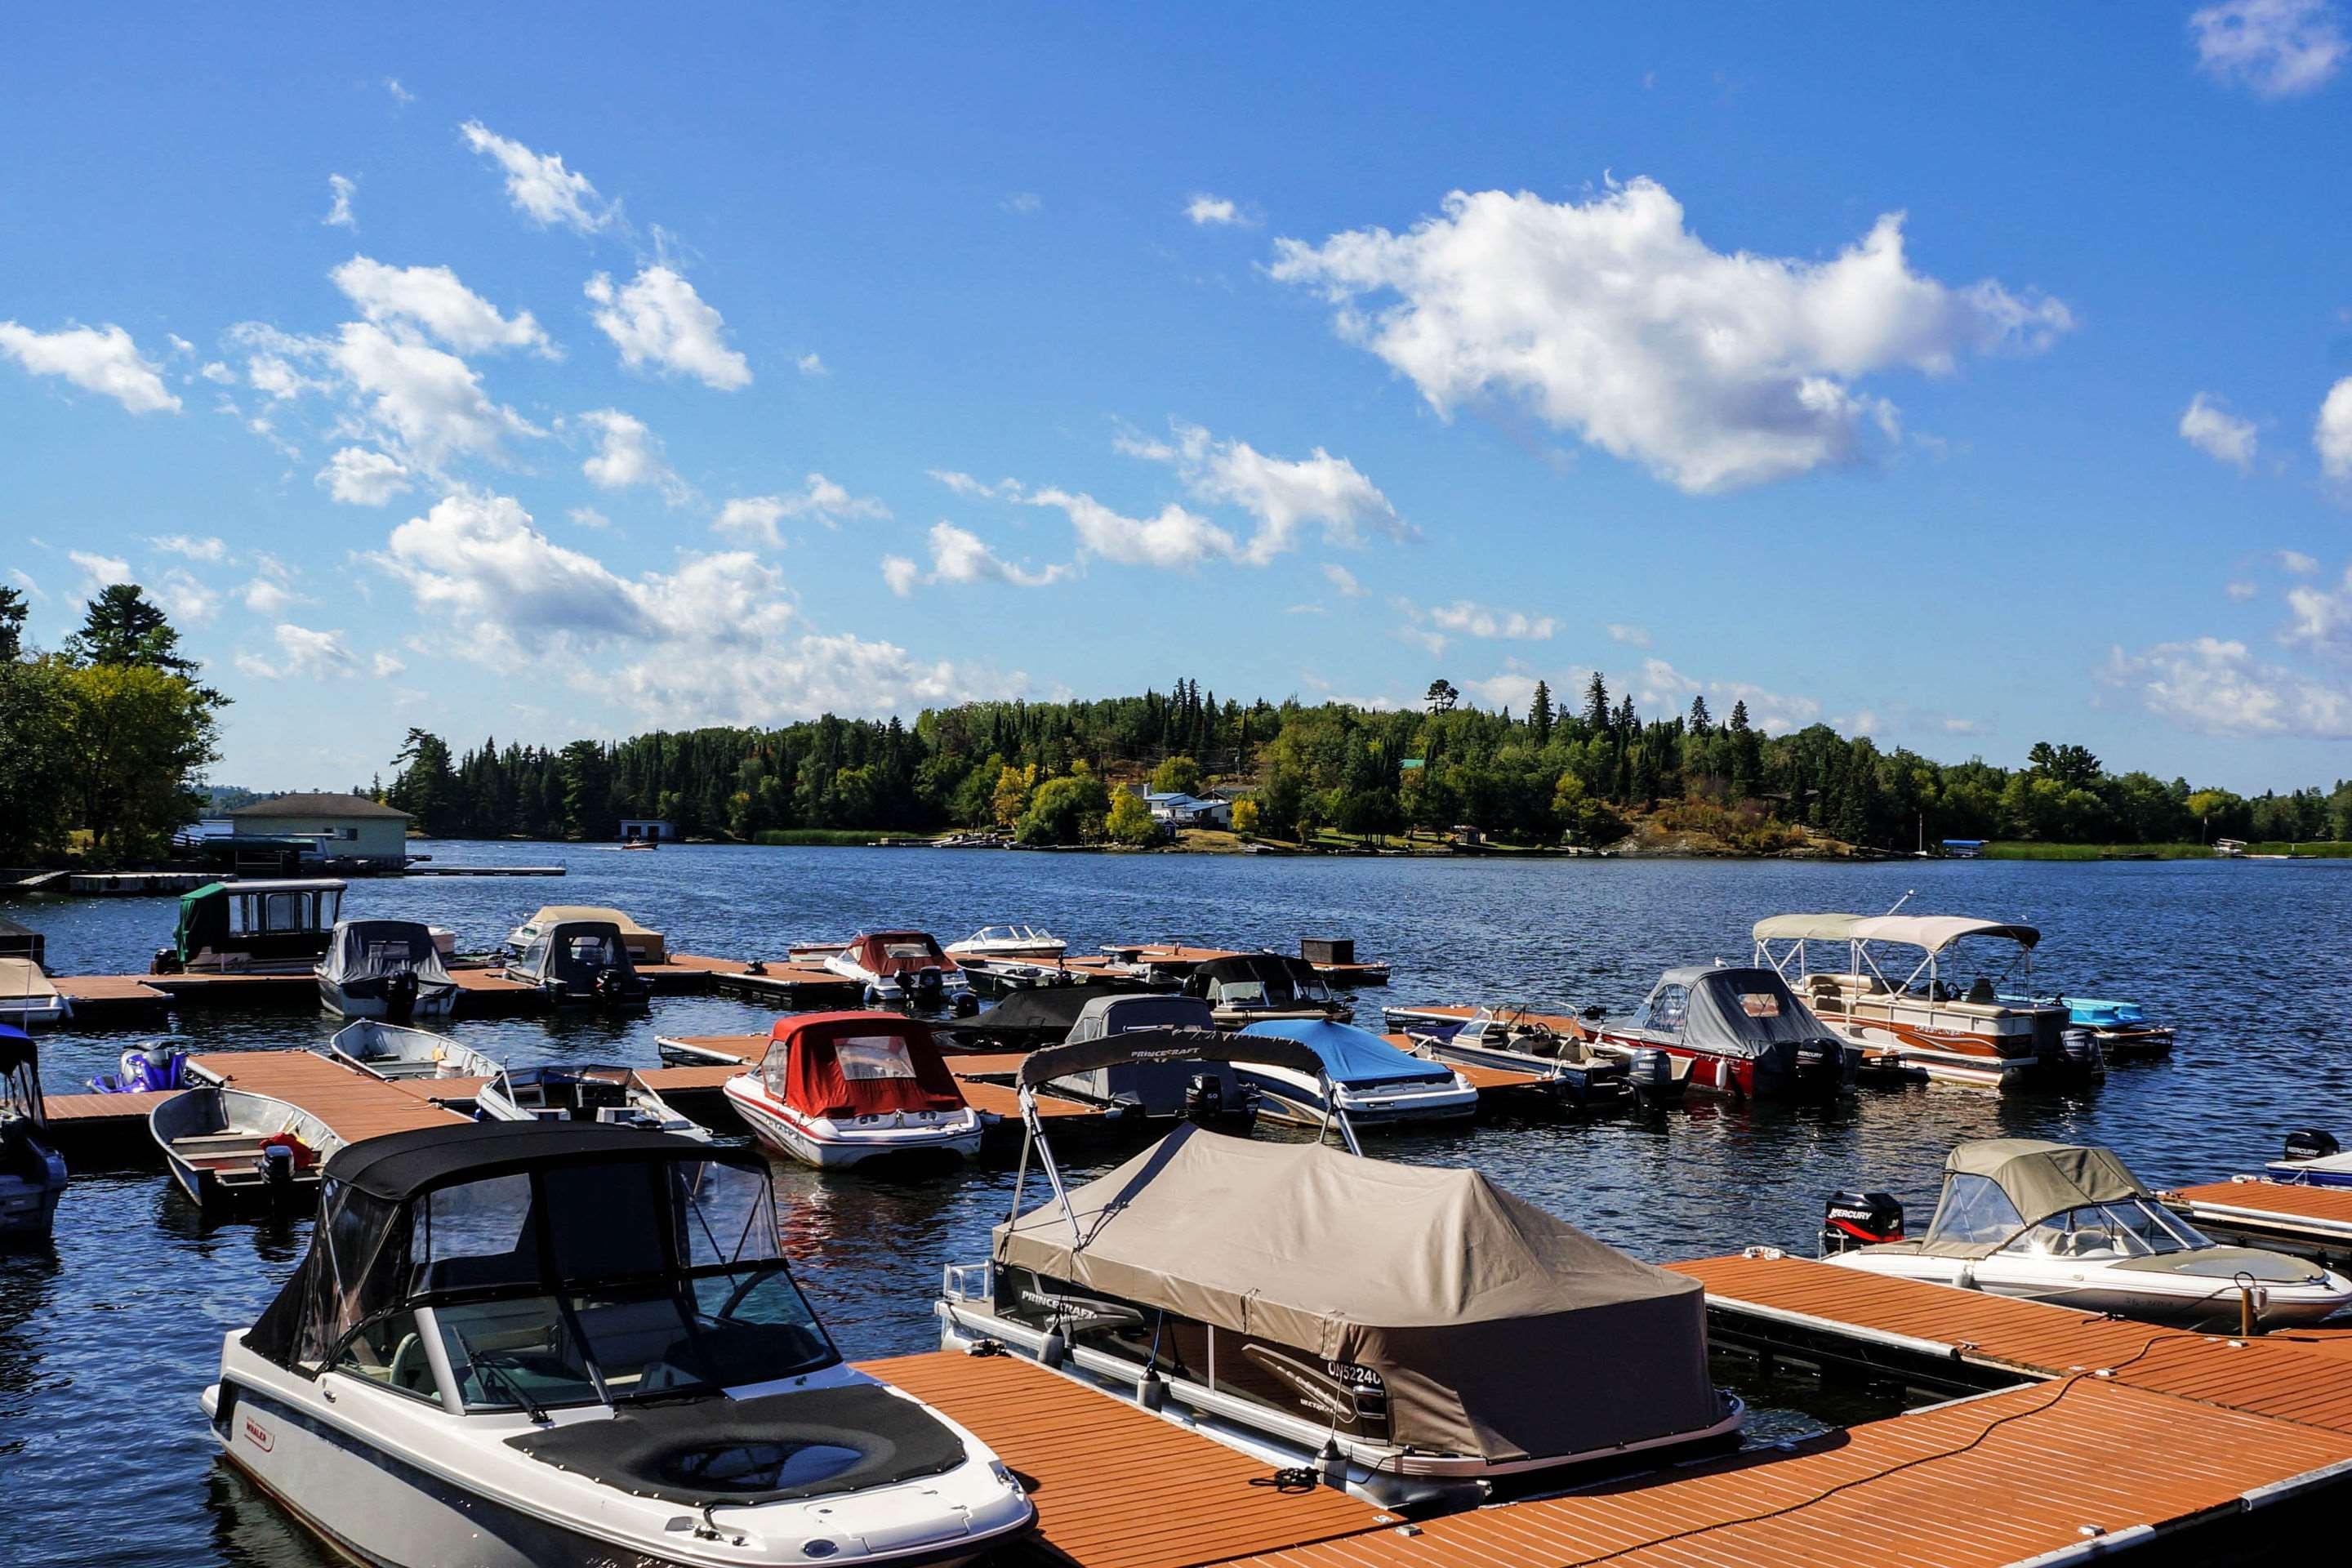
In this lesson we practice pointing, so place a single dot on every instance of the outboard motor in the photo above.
(278, 1167)
(927, 979)
(1650, 1070)
(1854, 1220)
(966, 1004)
(1204, 1098)
(400, 994)
(607, 987)
(2310, 1143)
(2079, 1055)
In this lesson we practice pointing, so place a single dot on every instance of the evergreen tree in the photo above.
(1539, 714)
(1701, 721)
(13, 611)
(1746, 755)
(1596, 705)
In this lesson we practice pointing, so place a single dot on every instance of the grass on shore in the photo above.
(2016, 849)
(835, 836)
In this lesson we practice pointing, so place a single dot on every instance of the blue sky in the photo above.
(1962, 377)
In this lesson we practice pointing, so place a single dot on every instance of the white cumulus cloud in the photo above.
(659, 321)
(1342, 580)
(186, 599)
(1215, 211)
(303, 652)
(2218, 433)
(99, 571)
(1471, 619)
(2279, 48)
(754, 519)
(1716, 369)
(961, 556)
(539, 184)
(2219, 687)
(2332, 436)
(96, 359)
(627, 453)
(428, 401)
(356, 476)
(432, 300)
(209, 548)
(1285, 496)
(338, 213)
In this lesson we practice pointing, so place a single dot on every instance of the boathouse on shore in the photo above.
(345, 826)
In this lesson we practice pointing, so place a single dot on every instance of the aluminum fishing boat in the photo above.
(1915, 1011)
(1374, 1082)
(583, 963)
(2070, 1225)
(385, 969)
(1414, 1336)
(900, 968)
(1244, 987)
(1015, 941)
(843, 1088)
(1743, 1031)
(389, 1052)
(1582, 1071)
(31, 1174)
(578, 1091)
(560, 1345)
(232, 1150)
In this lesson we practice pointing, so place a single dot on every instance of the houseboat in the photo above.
(279, 927)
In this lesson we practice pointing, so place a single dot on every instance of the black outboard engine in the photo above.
(400, 994)
(1650, 1070)
(1204, 1098)
(2310, 1143)
(927, 979)
(966, 1004)
(1852, 1220)
(2079, 1054)
(607, 988)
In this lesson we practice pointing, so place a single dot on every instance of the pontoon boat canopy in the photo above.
(1448, 1287)
(1932, 933)
(857, 1064)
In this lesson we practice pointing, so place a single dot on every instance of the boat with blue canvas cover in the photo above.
(1364, 1076)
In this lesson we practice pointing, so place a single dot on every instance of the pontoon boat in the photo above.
(2122, 1029)
(1744, 1033)
(644, 946)
(2069, 1224)
(1244, 987)
(31, 1174)
(1375, 1083)
(229, 1149)
(1924, 1022)
(578, 1091)
(389, 1052)
(522, 1345)
(900, 968)
(253, 928)
(1518, 1038)
(1017, 942)
(385, 969)
(27, 995)
(840, 1089)
(1412, 1335)
(581, 962)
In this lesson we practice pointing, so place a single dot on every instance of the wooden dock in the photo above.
(1177, 958)
(2312, 1222)
(355, 1104)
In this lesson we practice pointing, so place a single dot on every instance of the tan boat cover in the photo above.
(1499, 1331)
(2043, 1179)
(21, 980)
(642, 943)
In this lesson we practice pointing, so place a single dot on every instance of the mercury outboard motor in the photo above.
(1204, 1098)
(1852, 1220)
(927, 979)
(607, 988)
(2310, 1143)
(966, 1004)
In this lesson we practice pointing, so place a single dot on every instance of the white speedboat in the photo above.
(385, 969)
(1413, 1335)
(590, 1352)
(27, 996)
(1595, 1074)
(1017, 942)
(389, 1052)
(31, 1174)
(842, 1088)
(577, 1091)
(1364, 1076)
(901, 968)
(230, 1149)
(644, 946)
(2070, 1224)
(2312, 1159)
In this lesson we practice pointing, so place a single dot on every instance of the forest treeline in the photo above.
(1550, 773)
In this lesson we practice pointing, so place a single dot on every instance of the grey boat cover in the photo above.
(377, 950)
(1741, 1011)
(1498, 1331)
(1103, 1016)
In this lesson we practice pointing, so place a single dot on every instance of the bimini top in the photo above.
(1739, 1012)
(370, 949)
(897, 952)
(16, 1048)
(1351, 1056)
(1284, 978)
(857, 1064)
(398, 1167)
(1932, 933)
(1116, 1015)
(2040, 1179)
(1443, 1284)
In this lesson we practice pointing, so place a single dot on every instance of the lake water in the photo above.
(104, 1347)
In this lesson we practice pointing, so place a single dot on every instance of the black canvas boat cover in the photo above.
(400, 1165)
(377, 950)
(1040, 1010)
(1165, 1044)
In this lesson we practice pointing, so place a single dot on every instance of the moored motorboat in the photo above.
(1156, 1079)
(644, 946)
(1374, 1082)
(524, 1345)
(843, 1088)
(1518, 1038)
(583, 963)
(1034, 943)
(385, 969)
(1244, 987)
(231, 1148)
(1414, 1336)
(901, 968)
(2070, 1223)
(2312, 1158)
(1917, 1017)
(27, 996)
(278, 927)
(389, 1052)
(1743, 1031)
(1028, 1018)
(580, 1091)
(32, 1173)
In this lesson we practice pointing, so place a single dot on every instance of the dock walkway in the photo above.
(2313, 1221)
(355, 1104)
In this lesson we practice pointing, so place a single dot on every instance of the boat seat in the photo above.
(217, 1145)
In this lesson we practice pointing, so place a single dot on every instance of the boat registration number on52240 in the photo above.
(257, 1435)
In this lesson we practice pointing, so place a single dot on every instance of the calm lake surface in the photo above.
(104, 1347)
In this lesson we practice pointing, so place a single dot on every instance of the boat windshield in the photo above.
(2128, 1227)
(20, 1093)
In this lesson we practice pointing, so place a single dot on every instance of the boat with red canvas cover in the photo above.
(839, 1089)
(903, 967)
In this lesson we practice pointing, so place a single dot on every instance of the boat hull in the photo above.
(2112, 1290)
(1280, 1100)
(1777, 1076)
(28, 1205)
(779, 1129)
(369, 999)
